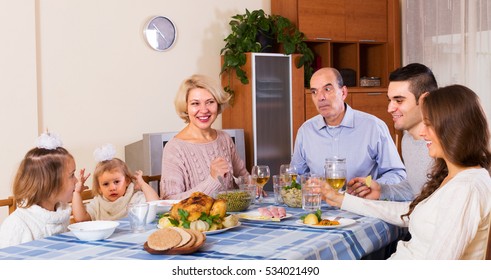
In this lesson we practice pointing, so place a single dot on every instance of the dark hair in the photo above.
(419, 76)
(454, 112)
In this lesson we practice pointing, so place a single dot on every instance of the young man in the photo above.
(407, 85)
(362, 139)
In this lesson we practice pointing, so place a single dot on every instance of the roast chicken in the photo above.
(199, 203)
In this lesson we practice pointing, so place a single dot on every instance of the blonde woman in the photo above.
(198, 157)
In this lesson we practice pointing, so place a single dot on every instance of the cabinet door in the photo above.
(272, 134)
(322, 19)
(366, 20)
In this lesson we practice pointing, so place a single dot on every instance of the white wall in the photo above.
(82, 69)
(18, 88)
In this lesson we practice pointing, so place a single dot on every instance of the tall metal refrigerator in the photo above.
(264, 109)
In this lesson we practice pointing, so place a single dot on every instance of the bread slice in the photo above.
(164, 239)
(191, 247)
(196, 241)
(185, 236)
(200, 238)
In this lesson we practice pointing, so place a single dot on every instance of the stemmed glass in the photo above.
(261, 174)
(336, 172)
(288, 173)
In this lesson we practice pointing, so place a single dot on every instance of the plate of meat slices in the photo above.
(265, 214)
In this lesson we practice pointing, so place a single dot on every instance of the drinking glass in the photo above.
(248, 184)
(311, 191)
(336, 172)
(261, 174)
(137, 214)
(277, 185)
(288, 173)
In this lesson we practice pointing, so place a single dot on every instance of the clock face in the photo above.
(160, 33)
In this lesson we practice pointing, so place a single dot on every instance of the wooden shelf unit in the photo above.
(364, 36)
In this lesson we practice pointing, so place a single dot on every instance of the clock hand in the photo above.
(156, 28)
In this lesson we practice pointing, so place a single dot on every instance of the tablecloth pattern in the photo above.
(250, 241)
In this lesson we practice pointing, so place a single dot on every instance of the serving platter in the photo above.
(164, 205)
(255, 216)
(211, 232)
(343, 222)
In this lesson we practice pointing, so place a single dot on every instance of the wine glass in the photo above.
(288, 173)
(261, 175)
(335, 169)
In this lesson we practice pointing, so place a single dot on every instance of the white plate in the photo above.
(220, 230)
(256, 217)
(163, 205)
(214, 231)
(343, 222)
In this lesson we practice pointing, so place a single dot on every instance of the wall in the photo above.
(82, 69)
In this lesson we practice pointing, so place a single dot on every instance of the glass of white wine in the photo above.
(336, 172)
(261, 175)
(288, 173)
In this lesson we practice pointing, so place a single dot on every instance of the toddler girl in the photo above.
(43, 187)
(112, 189)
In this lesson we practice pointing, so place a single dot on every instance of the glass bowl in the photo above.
(292, 196)
(237, 200)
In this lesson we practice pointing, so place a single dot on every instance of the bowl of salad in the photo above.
(292, 194)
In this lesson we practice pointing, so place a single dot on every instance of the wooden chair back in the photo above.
(87, 195)
(154, 178)
(10, 202)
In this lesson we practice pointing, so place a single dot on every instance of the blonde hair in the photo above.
(111, 165)
(199, 81)
(41, 175)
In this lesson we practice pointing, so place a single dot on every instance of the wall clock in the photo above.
(160, 33)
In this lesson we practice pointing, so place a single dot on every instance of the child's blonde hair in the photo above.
(41, 174)
(109, 166)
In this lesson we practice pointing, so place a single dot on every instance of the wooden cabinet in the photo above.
(366, 21)
(320, 19)
(336, 20)
(359, 35)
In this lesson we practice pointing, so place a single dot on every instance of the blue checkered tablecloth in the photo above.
(250, 241)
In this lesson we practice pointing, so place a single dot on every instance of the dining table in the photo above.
(287, 239)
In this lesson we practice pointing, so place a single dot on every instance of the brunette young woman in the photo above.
(450, 218)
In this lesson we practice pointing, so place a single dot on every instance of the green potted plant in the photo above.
(246, 31)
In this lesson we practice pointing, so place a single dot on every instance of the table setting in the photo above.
(267, 228)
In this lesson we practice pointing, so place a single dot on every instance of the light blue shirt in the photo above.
(361, 138)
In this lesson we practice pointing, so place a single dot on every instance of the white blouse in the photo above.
(452, 223)
(35, 222)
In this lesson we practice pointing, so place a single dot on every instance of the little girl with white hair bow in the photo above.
(113, 189)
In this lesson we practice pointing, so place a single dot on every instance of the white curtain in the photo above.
(453, 38)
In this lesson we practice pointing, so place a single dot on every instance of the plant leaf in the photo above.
(183, 216)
